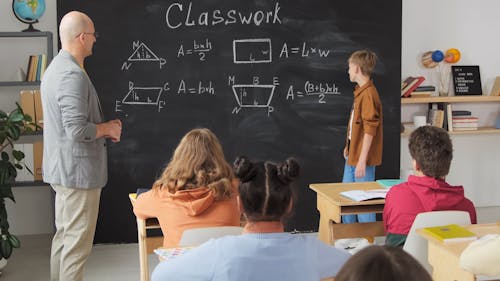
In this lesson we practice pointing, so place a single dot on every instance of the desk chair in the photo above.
(416, 245)
(197, 236)
(146, 244)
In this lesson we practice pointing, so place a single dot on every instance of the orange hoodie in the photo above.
(186, 209)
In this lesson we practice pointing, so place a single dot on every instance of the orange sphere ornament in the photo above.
(452, 55)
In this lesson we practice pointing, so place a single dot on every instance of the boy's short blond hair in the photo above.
(365, 59)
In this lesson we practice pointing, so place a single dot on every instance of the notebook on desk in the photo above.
(388, 183)
(363, 195)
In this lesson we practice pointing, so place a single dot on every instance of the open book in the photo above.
(362, 195)
(450, 233)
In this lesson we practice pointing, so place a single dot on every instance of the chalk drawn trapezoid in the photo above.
(253, 95)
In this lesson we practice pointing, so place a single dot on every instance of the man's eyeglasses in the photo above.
(96, 34)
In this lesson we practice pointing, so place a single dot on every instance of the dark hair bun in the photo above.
(288, 170)
(244, 169)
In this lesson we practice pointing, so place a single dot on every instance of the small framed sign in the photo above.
(466, 80)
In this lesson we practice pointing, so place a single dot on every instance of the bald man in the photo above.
(75, 157)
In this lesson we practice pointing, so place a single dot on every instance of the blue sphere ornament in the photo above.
(437, 56)
(28, 11)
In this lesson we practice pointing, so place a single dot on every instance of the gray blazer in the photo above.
(72, 156)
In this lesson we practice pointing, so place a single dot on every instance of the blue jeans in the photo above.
(349, 176)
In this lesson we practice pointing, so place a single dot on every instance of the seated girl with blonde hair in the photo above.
(197, 189)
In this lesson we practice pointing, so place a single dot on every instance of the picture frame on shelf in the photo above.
(466, 80)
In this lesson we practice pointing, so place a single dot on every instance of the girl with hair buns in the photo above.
(197, 189)
(264, 251)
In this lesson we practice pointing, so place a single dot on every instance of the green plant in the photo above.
(11, 127)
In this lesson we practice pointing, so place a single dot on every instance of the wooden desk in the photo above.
(331, 206)
(444, 258)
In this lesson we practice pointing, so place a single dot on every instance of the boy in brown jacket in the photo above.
(363, 150)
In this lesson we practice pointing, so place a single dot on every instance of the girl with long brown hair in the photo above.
(196, 189)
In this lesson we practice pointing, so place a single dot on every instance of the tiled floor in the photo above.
(107, 262)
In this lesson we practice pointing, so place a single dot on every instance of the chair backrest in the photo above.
(416, 245)
(197, 236)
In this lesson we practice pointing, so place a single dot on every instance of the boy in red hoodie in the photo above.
(426, 191)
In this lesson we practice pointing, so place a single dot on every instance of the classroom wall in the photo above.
(427, 25)
(465, 25)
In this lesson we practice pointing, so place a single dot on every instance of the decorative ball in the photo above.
(452, 55)
(437, 56)
(427, 60)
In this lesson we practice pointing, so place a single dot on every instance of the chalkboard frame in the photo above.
(313, 133)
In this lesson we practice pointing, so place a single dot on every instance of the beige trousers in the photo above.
(75, 217)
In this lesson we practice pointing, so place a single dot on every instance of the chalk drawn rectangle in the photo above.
(252, 51)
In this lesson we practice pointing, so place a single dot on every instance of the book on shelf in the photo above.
(363, 195)
(495, 89)
(38, 68)
(44, 66)
(415, 82)
(449, 117)
(28, 68)
(425, 89)
(461, 113)
(465, 125)
(450, 233)
(405, 82)
(456, 129)
(465, 119)
(34, 68)
(425, 94)
(436, 117)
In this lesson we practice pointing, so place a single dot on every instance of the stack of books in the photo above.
(423, 92)
(36, 67)
(409, 85)
(462, 120)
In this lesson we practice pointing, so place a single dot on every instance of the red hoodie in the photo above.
(186, 209)
(422, 194)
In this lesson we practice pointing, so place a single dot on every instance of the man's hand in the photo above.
(115, 130)
(111, 129)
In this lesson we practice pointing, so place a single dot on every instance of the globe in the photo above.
(28, 11)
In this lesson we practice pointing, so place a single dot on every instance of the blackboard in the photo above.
(268, 77)
(466, 80)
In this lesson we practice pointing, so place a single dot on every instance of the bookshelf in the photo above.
(34, 136)
(452, 99)
(443, 101)
(49, 51)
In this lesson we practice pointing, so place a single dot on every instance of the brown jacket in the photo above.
(367, 119)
